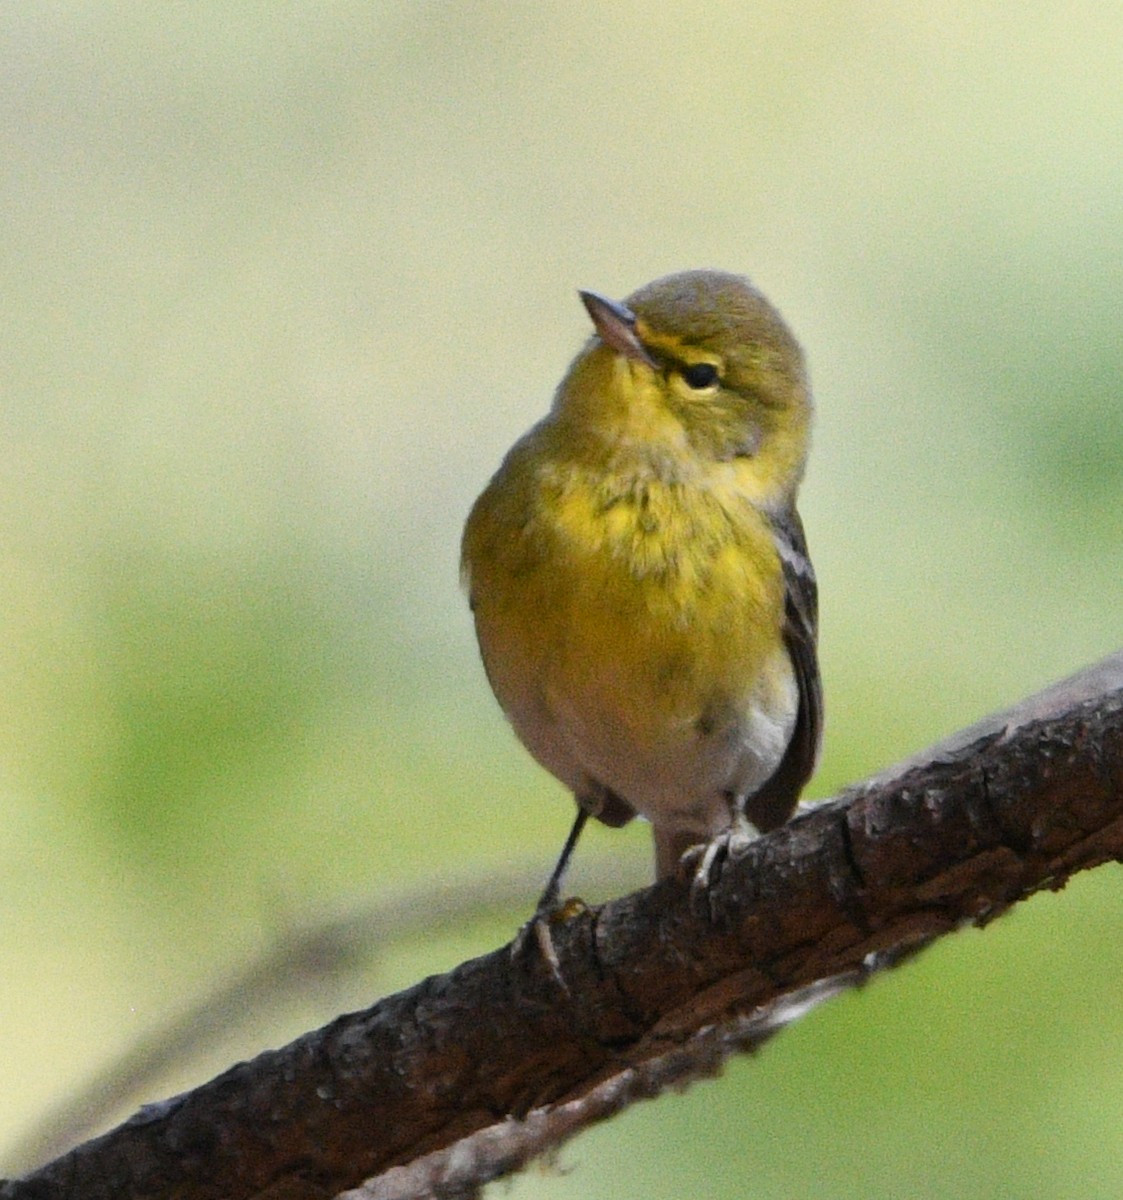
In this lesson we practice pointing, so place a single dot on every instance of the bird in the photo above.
(644, 602)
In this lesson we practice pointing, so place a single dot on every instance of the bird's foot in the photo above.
(536, 935)
(704, 864)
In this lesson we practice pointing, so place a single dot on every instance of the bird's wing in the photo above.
(776, 800)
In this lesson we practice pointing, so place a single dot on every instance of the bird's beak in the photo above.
(616, 324)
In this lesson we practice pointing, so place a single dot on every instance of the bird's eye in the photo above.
(700, 375)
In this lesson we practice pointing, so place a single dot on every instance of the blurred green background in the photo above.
(281, 282)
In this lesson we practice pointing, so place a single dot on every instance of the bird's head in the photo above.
(695, 366)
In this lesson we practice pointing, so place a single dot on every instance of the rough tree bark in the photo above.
(466, 1075)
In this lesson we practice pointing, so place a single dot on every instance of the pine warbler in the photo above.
(644, 602)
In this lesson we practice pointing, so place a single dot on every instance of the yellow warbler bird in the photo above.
(644, 602)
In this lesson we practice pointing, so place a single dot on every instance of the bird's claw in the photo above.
(537, 929)
(706, 863)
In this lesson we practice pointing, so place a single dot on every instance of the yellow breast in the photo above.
(644, 602)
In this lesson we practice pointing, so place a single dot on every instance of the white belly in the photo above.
(679, 773)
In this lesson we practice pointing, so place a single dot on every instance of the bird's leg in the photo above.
(550, 894)
(731, 843)
(539, 924)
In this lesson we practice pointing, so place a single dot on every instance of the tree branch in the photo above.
(302, 959)
(467, 1075)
